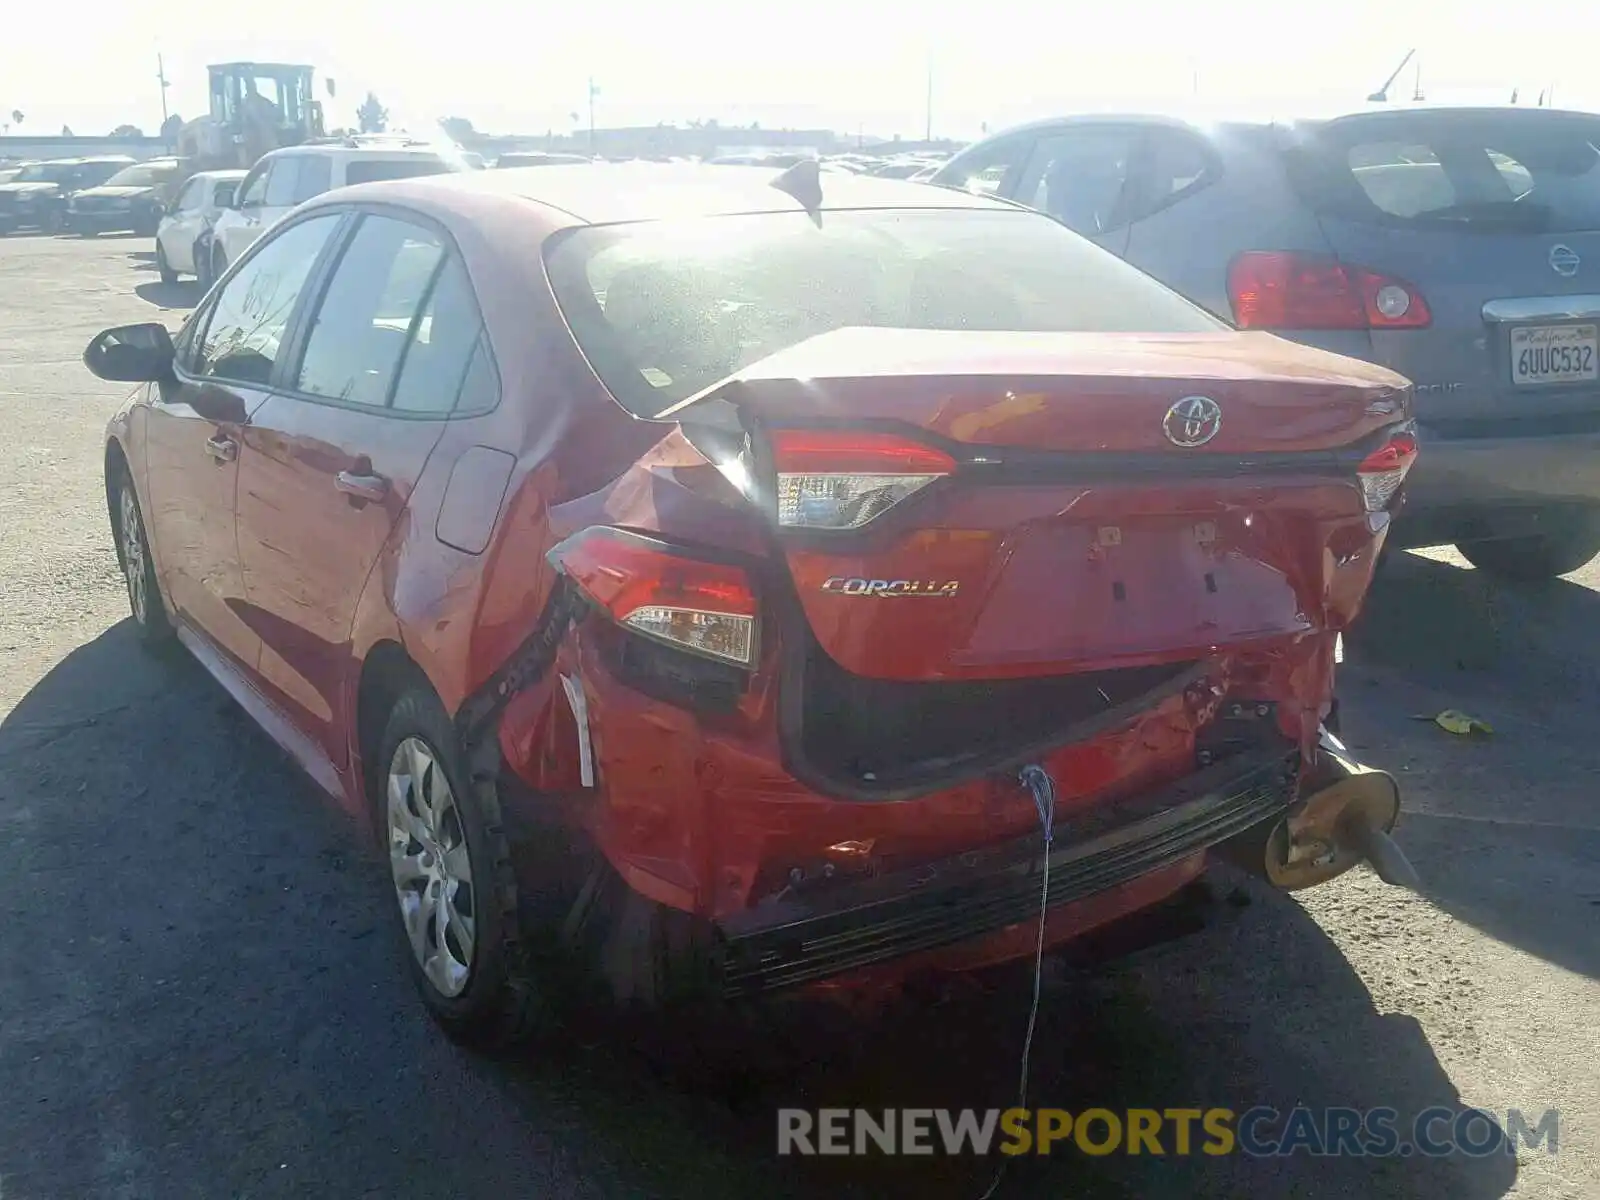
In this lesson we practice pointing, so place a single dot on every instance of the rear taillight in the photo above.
(1383, 471)
(663, 592)
(829, 479)
(1272, 289)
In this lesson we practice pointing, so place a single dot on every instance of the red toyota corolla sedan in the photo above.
(739, 581)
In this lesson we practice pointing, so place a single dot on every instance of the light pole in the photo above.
(593, 92)
(927, 134)
(161, 78)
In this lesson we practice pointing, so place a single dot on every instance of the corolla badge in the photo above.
(845, 585)
(1564, 261)
(1192, 421)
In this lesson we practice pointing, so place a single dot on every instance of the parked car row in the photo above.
(38, 195)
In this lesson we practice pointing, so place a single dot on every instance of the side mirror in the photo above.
(131, 354)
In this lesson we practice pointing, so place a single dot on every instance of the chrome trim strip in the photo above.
(1537, 308)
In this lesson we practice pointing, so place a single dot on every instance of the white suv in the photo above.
(287, 178)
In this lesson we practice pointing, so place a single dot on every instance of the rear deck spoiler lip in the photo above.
(857, 352)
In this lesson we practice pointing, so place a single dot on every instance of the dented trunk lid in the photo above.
(1115, 501)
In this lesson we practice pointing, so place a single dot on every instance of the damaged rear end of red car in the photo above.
(816, 637)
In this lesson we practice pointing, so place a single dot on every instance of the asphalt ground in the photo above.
(200, 992)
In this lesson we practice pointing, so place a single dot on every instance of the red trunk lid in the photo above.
(1112, 500)
(1071, 391)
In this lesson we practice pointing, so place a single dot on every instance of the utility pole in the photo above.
(593, 92)
(161, 78)
(928, 130)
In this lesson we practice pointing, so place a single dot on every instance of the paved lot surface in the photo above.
(199, 995)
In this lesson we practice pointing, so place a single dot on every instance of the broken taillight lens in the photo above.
(841, 479)
(664, 592)
(1383, 471)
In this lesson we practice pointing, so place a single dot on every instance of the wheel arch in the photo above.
(387, 672)
(116, 463)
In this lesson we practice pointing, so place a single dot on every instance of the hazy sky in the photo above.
(520, 67)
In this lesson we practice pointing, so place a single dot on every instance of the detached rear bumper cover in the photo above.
(939, 904)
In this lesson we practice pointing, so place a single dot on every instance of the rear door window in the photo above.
(988, 169)
(1176, 165)
(314, 177)
(1080, 176)
(281, 184)
(446, 366)
(1531, 170)
(368, 312)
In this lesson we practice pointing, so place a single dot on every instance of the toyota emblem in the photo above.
(1192, 421)
(1564, 261)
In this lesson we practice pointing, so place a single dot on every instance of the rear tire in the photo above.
(149, 610)
(1569, 543)
(452, 882)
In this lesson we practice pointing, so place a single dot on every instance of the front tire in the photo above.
(219, 264)
(149, 611)
(453, 884)
(163, 267)
(1567, 544)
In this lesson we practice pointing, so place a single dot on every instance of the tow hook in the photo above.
(1346, 820)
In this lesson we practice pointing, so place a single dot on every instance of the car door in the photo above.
(180, 227)
(329, 461)
(1080, 175)
(195, 426)
(240, 226)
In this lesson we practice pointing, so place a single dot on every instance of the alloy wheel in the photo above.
(431, 867)
(133, 555)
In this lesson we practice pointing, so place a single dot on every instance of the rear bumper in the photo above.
(965, 897)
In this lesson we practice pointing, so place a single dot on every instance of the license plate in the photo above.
(1543, 354)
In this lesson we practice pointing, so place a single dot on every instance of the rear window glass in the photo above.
(1533, 171)
(665, 309)
(374, 172)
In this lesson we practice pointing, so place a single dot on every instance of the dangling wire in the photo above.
(1043, 789)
